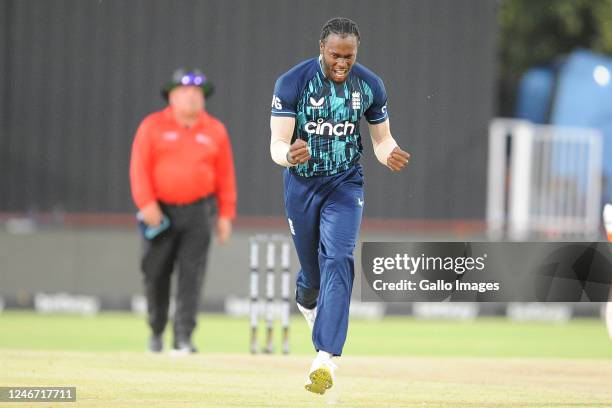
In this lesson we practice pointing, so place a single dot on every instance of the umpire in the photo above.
(181, 174)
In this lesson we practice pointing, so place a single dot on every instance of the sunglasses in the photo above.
(190, 78)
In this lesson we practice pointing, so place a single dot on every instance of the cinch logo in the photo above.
(320, 127)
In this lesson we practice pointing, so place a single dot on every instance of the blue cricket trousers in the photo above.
(324, 215)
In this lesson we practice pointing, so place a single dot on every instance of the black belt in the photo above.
(198, 202)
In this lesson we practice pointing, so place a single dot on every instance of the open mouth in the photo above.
(339, 73)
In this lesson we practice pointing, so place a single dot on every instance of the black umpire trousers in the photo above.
(185, 245)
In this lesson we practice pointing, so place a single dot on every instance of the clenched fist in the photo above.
(298, 152)
(398, 159)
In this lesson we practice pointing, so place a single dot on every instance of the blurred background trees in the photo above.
(538, 32)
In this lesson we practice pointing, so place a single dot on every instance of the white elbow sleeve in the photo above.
(278, 151)
(384, 149)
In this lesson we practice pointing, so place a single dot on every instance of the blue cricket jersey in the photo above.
(327, 114)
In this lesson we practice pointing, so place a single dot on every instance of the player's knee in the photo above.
(307, 297)
(339, 259)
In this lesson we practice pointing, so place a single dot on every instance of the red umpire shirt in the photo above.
(178, 165)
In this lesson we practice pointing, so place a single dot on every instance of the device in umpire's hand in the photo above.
(150, 232)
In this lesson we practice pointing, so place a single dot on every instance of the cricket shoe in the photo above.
(309, 314)
(321, 377)
(156, 343)
(183, 347)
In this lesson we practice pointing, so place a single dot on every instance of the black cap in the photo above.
(191, 77)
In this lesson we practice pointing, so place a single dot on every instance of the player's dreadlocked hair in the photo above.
(340, 26)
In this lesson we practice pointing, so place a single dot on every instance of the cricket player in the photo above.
(316, 109)
(607, 216)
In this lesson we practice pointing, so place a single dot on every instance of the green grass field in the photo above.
(395, 362)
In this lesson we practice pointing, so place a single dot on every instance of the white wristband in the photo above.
(384, 149)
(278, 151)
